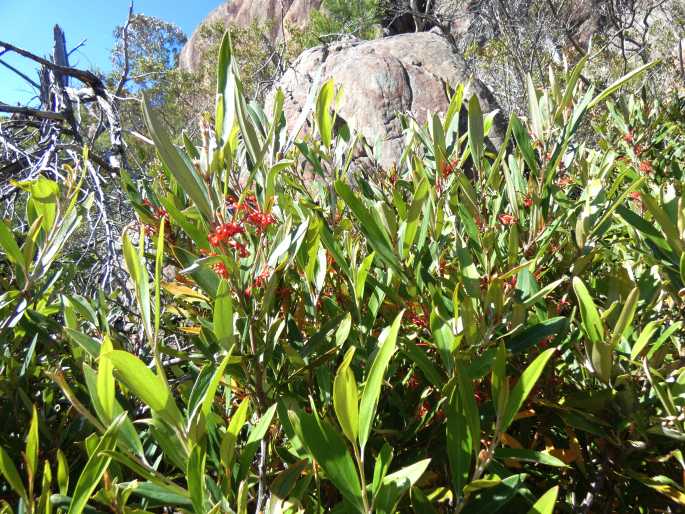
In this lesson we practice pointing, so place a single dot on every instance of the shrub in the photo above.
(470, 331)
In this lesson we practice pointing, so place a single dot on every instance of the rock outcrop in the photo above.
(403, 73)
(279, 13)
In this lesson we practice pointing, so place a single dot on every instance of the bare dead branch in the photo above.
(124, 75)
(22, 75)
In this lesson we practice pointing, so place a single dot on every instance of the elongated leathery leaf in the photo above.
(328, 447)
(324, 120)
(345, 398)
(225, 90)
(149, 387)
(9, 471)
(592, 322)
(395, 485)
(524, 386)
(377, 235)
(372, 388)
(223, 316)
(545, 505)
(179, 167)
(95, 467)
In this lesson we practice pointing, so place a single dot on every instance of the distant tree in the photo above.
(146, 53)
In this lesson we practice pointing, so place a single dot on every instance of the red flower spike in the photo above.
(527, 202)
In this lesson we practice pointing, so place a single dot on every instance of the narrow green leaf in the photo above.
(361, 276)
(668, 225)
(95, 467)
(615, 86)
(592, 322)
(523, 142)
(626, 317)
(223, 316)
(225, 90)
(231, 436)
(135, 264)
(159, 262)
(179, 166)
(529, 456)
(329, 450)
(499, 382)
(208, 397)
(9, 471)
(523, 387)
(195, 474)
(324, 121)
(380, 468)
(252, 444)
(458, 442)
(345, 398)
(395, 485)
(377, 236)
(150, 388)
(414, 213)
(32, 446)
(372, 389)
(10, 247)
(545, 505)
(105, 382)
(444, 338)
(644, 337)
(493, 499)
(476, 135)
(62, 473)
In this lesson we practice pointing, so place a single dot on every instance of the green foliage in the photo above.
(469, 332)
(336, 18)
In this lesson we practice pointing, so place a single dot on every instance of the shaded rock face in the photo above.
(281, 13)
(403, 73)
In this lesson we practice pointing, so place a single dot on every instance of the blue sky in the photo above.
(28, 24)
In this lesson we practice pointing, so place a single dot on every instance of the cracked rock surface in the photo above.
(380, 78)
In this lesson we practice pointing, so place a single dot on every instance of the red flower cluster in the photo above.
(261, 279)
(507, 219)
(239, 247)
(250, 203)
(413, 383)
(527, 202)
(417, 319)
(510, 284)
(629, 137)
(261, 220)
(158, 212)
(224, 232)
(447, 168)
(220, 269)
(646, 167)
(635, 196)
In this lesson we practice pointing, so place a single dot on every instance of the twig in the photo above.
(124, 74)
(22, 75)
